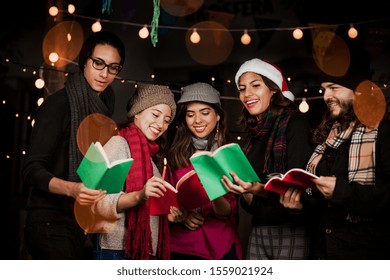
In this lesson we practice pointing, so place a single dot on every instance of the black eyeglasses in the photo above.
(100, 64)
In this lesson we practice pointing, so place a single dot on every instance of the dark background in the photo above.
(27, 22)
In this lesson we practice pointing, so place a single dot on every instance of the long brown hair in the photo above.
(321, 132)
(182, 149)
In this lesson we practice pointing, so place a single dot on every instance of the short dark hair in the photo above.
(100, 38)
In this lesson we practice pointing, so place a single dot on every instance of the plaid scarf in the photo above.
(138, 242)
(361, 165)
(276, 151)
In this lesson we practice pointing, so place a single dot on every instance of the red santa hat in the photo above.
(268, 70)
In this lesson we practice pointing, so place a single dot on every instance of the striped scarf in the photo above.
(361, 164)
(276, 151)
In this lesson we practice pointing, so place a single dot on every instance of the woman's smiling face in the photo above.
(254, 93)
(201, 119)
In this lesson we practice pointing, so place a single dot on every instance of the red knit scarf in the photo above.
(138, 242)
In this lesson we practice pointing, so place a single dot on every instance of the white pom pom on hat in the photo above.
(268, 70)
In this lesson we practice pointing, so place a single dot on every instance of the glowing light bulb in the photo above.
(195, 37)
(245, 38)
(53, 11)
(143, 32)
(40, 101)
(297, 34)
(69, 37)
(71, 8)
(53, 57)
(96, 27)
(39, 83)
(303, 107)
(352, 32)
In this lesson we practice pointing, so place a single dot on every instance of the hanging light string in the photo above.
(382, 84)
(241, 30)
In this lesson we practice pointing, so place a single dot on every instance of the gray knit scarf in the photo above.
(83, 100)
(201, 143)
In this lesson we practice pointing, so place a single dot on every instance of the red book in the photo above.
(188, 194)
(279, 183)
(162, 205)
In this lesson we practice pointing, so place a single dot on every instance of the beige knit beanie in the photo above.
(150, 95)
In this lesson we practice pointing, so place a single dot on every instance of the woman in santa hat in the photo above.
(278, 140)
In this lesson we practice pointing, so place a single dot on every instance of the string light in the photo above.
(352, 32)
(297, 33)
(96, 27)
(71, 8)
(53, 11)
(40, 101)
(39, 83)
(195, 37)
(245, 38)
(303, 107)
(53, 57)
(143, 32)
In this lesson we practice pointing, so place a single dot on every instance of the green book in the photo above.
(97, 172)
(211, 166)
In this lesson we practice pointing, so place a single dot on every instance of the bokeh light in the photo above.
(215, 45)
(181, 8)
(95, 127)
(56, 41)
(369, 104)
(331, 54)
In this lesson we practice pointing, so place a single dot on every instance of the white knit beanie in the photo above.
(268, 70)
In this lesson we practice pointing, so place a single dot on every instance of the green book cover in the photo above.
(97, 172)
(211, 166)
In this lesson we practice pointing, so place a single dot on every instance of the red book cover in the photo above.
(279, 183)
(162, 205)
(188, 194)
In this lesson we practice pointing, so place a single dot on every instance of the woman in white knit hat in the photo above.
(210, 231)
(278, 140)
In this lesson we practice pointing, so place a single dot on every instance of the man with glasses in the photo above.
(100, 64)
(51, 229)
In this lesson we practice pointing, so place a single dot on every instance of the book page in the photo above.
(294, 177)
(170, 187)
(101, 150)
(99, 146)
(183, 178)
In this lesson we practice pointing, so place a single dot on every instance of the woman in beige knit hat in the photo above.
(126, 228)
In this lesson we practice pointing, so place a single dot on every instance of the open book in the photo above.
(97, 172)
(188, 194)
(279, 183)
(211, 166)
